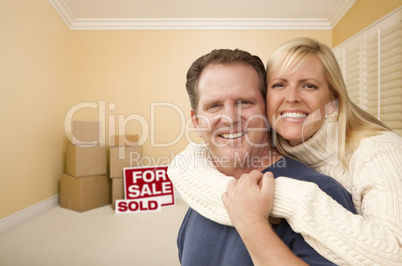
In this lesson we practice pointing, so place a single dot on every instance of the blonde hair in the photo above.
(354, 124)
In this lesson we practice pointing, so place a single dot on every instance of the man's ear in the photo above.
(194, 119)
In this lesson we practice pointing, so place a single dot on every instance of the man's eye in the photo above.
(212, 106)
(244, 102)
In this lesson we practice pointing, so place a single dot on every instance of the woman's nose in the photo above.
(292, 95)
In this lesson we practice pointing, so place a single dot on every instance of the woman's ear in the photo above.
(331, 106)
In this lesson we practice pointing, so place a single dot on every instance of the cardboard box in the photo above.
(86, 160)
(117, 190)
(84, 193)
(123, 140)
(121, 157)
(85, 132)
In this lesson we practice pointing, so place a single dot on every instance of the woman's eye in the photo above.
(310, 86)
(278, 86)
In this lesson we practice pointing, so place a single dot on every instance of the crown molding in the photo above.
(186, 23)
(340, 11)
(64, 12)
(199, 24)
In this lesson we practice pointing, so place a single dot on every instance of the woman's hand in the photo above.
(249, 200)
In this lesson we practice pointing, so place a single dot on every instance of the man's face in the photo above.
(231, 113)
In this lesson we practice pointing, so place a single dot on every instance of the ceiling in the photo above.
(205, 14)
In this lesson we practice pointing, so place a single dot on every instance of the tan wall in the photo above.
(361, 15)
(46, 69)
(34, 93)
(133, 69)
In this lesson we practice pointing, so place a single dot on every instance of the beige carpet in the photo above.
(97, 237)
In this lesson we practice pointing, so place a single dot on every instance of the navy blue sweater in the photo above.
(206, 243)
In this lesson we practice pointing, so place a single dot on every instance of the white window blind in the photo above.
(371, 63)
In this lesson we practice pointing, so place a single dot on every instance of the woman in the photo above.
(308, 107)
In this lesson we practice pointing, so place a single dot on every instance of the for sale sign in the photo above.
(146, 189)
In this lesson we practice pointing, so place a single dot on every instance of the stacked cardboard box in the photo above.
(123, 152)
(85, 184)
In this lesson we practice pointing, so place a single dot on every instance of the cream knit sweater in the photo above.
(374, 178)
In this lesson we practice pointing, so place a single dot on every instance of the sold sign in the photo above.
(146, 189)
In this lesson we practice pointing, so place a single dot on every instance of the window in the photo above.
(371, 64)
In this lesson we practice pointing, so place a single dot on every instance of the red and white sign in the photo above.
(146, 189)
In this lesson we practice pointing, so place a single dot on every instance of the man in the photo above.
(227, 93)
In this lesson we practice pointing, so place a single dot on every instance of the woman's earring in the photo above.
(326, 116)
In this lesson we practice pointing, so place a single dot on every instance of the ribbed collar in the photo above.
(322, 146)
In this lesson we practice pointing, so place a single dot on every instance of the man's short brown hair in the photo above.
(226, 57)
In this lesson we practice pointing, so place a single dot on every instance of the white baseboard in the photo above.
(21, 217)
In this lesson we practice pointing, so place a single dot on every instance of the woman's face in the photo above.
(296, 102)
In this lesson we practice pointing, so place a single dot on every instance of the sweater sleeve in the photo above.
(199, 183)
(375, 174)
(336, 233)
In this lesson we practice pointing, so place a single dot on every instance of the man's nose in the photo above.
(231, 115)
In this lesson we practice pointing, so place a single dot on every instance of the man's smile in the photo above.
(233, 135)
